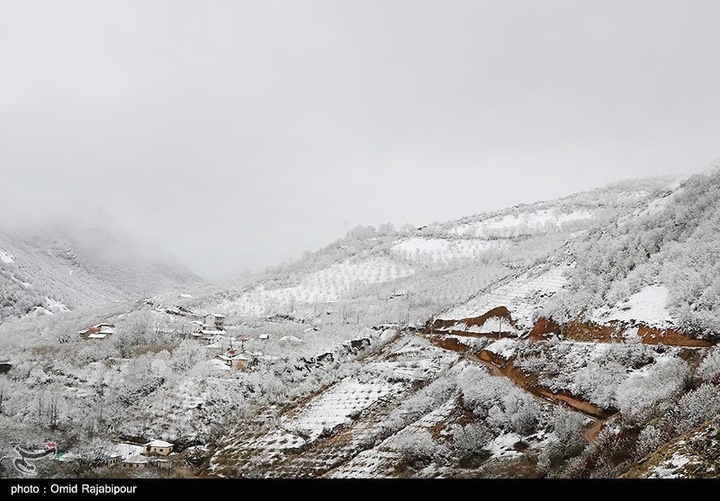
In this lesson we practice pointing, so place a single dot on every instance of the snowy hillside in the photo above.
(52, 268)
(653, 266)
(570, 338)
(406, 276)
(523, 296)
(657, 266)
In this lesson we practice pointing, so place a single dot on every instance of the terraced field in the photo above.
(328, 430)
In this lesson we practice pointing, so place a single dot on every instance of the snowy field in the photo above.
(373, 462)
(444, 250)
(649, 307)
(336, 406)
(6, 257)
(522, 296)
(515, 224)
(318, 287)
(382, 385)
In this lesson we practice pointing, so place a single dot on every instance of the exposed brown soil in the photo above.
(543, 328)
(593, 430)
(588, 331)
(546, 328)
(529, 383)
(449, 343)
(671, 338)
(444, 324)
(575, 330)
(500, 366)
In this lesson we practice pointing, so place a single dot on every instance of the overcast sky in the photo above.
(241, 133)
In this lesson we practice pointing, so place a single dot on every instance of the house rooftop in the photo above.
(158, 443)
(236, 356)
(125, 450)
(220, 364)
(137, 459)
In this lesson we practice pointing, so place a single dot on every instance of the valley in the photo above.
(564, 339)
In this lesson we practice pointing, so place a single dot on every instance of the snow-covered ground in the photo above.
(503, 446)
(55, 306)
(334, 407)
(503, 347)
(440, 249)
(318, 287)
(372, 462)
(648, 306)
(669, 468)
(514, 224)
(6, 257)
(383, 398)
(522, 296)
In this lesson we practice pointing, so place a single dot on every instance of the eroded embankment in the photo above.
(614, 332)
(505, 367)
(529, 383)
(575, 330)
(447, 326)
(441, 333)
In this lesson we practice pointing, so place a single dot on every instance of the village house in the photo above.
(194, 328)
(5, 365)
(140, 456)
(122, 452)
(136, 461)
(214, 321)
(234, 360)
(99, 331)
(157, 447)
(161, 463)
(113, 458)
(211, 326)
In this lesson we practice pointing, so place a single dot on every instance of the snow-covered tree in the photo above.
(647, 390)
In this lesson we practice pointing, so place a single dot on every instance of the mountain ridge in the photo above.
(52, 267)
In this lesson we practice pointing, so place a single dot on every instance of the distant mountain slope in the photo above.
(654, 265)
(406, 276)
(51, 268)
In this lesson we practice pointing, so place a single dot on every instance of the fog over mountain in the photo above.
(51, 267)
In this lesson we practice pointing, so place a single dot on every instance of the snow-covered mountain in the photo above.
(653, 267)
(408, 275)
(566, 338)
(50, 268)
